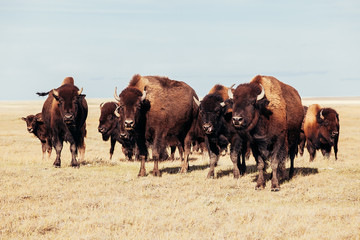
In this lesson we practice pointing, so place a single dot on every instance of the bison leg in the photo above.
(185, 158)
(156, 172)
(213, 162)
(43, 148)
(82, 152)
(58, 149)
(112, 147)
(142, 172)
(260, 183)
(73, 150)
(311, 149)
(235, 159)
(49, 149)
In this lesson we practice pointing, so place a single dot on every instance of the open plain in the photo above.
(105, 199)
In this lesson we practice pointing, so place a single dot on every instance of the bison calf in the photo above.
(36, 126)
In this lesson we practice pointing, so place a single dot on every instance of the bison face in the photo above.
(132, 104)
(249, 102)
(212, 110)
(68, 98)
(328, 119)
(32, 122)
(107, 121)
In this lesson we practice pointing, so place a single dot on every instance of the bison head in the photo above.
(69, 99)
(212, 110)
(132, 103)
(328, 119)
(249, 102)
(108, 121)
(33, 122)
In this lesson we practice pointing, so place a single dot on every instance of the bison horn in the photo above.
(56, 93)
(262, 94)
(116, 112)
(116, 96)
(102, 104)
(80, 91)
(143, 95)
(196, 101)
(232, 86)
(321, 114)
(230, 93)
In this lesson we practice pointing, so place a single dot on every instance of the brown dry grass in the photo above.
(105, 200)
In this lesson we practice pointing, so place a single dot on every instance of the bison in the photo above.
(110, 127)
(321, 128)
(215, 115)
(36, 126)
(159, 110)
(271, 113)
(65, 112)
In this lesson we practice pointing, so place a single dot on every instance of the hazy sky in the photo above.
(313, 45)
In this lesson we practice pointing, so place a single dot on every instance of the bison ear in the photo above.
(23, 118)
(39, 120)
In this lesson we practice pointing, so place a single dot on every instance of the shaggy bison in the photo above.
(159, 110)
(321, 128)
(110, 127)
(65, 112)
(215, 117)
(36, 126)
(271, 113)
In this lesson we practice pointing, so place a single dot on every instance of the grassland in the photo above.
(106, 200)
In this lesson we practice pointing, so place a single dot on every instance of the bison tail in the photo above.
(42, 94)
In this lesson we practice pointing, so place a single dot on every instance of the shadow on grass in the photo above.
(297, 172)
(225, 173)
(176, 170)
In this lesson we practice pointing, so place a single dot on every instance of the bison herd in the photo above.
(264, 117)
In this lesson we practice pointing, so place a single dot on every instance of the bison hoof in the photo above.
(57, 164)
(183, 170)
(210, 175)
(156, 173)
(276, 189)
(142, 174)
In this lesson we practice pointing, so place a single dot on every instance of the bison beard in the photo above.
(271, 113)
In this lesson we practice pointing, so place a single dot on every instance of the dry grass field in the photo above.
(106, 200)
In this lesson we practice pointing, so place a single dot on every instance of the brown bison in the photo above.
(159, 110)
(36, 126)
(321, 128)
(271, 113)
(110, 127)
(65, 112)
(215, 115)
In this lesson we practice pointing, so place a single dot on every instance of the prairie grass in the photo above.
(105, 199)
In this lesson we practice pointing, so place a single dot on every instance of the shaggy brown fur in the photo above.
(273, 123)
(166, 114)
(321, 128)
(65, 113)
(36, 126)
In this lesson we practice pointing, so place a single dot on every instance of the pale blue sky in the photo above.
(313, 45)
